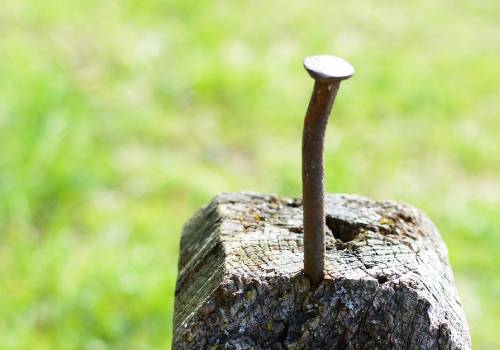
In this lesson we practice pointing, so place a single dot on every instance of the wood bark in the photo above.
(388, 283)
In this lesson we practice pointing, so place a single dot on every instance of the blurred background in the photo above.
(119, 119)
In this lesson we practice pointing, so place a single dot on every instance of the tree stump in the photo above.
(388, 283)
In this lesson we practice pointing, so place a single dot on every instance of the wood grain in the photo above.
(388, 284)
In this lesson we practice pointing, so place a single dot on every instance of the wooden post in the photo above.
(388, 284)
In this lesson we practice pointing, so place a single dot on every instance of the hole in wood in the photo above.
(382, 279)
(341, 229)
(296, 229)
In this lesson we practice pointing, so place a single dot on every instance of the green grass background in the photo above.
(118, 119)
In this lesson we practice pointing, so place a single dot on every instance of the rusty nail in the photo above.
(327, 72)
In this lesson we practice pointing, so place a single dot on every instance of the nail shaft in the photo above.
(313, 138)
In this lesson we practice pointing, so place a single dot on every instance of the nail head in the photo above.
(328, 68)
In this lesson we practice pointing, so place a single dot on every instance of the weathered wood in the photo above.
(388, 283)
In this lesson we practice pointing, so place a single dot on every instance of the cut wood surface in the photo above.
(388, 283)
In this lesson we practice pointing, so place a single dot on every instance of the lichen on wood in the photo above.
(388, 282)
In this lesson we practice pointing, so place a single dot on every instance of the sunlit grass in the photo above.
(119, 119)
